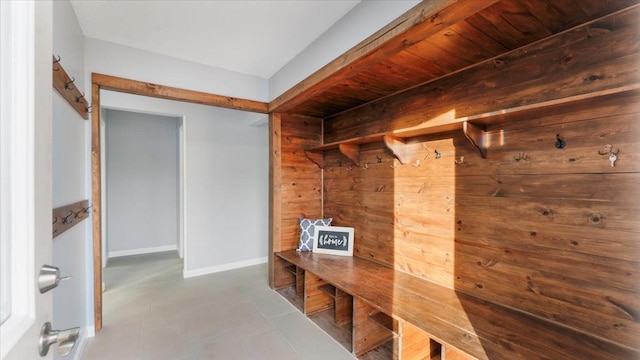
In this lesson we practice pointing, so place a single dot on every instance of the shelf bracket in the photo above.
(398, 147)
(477, 136)
(316, 157)
(351, 151)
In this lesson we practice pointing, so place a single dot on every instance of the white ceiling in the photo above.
(252, 37)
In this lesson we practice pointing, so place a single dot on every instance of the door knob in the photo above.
(49, 278)
(66, 339)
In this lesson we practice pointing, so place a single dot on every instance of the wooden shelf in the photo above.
(292, 269)
(329, 289)
(473, 126)
(396, 141)
(385, 321)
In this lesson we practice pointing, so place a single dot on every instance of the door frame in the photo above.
(118, 84)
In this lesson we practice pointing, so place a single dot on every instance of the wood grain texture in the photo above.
(66, 86)
(480, 328)
(300, 181)
(275, 198)
(367, 333)
(315, 299)
(96, 202)
(374, 70)
(415, 343)
(130, 86)
(414, 25)
(529, 253)
(282, 278)
(554, 235)
(580, 61)
(343, 308)
(65, 217)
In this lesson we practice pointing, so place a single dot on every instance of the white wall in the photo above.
(363, 20)
(72, 299)
(117, 60)
(142, 183)
(226, 187)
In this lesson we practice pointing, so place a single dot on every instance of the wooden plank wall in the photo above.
(555, 233)
(296, 181)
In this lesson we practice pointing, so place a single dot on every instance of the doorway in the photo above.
(142, 170)
(117, 91)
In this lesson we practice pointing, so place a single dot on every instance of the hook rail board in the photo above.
(66, 87)
(65, 217)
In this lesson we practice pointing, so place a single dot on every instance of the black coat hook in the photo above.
(89, 109)
(560, 144)
(438, 154)
(80, 97)
(67, 85)
(65, 220)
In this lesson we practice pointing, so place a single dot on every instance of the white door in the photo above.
(25, 174)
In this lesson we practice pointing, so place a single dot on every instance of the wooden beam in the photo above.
(275, 193)
(129, 86)
(424, 20)
(96, 202)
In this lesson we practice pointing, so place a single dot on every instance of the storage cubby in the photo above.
(290, 282)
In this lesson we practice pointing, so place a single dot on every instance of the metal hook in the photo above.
(378, 159)
(613, 154)
(438, 154)
(521, 156)
(89, 110)
(86, 210)
(416, 164)
(55, 220)
(55, 62)
(65, 220)
(80, 97)
(393, 164)
(560, 144)
(67, 84)
(366, 165)
(461, 161)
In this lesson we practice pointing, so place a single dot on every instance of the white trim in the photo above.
(85, 334)
(18, 126)
(224, 267)
(113, 254)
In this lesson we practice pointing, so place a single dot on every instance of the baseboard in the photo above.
(223, 267)
(85, 334)
(113, 254)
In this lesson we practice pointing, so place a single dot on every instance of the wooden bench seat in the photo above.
(482, 329)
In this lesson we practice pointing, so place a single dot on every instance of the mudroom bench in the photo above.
(376, 305)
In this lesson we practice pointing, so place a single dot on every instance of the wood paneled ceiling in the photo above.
(433, 40)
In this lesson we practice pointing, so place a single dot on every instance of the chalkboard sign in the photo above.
(333, 240)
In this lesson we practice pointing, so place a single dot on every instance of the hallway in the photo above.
(151, 312)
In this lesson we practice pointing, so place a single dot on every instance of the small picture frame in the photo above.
(334, 240)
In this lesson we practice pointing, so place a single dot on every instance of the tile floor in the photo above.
(151, 312)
